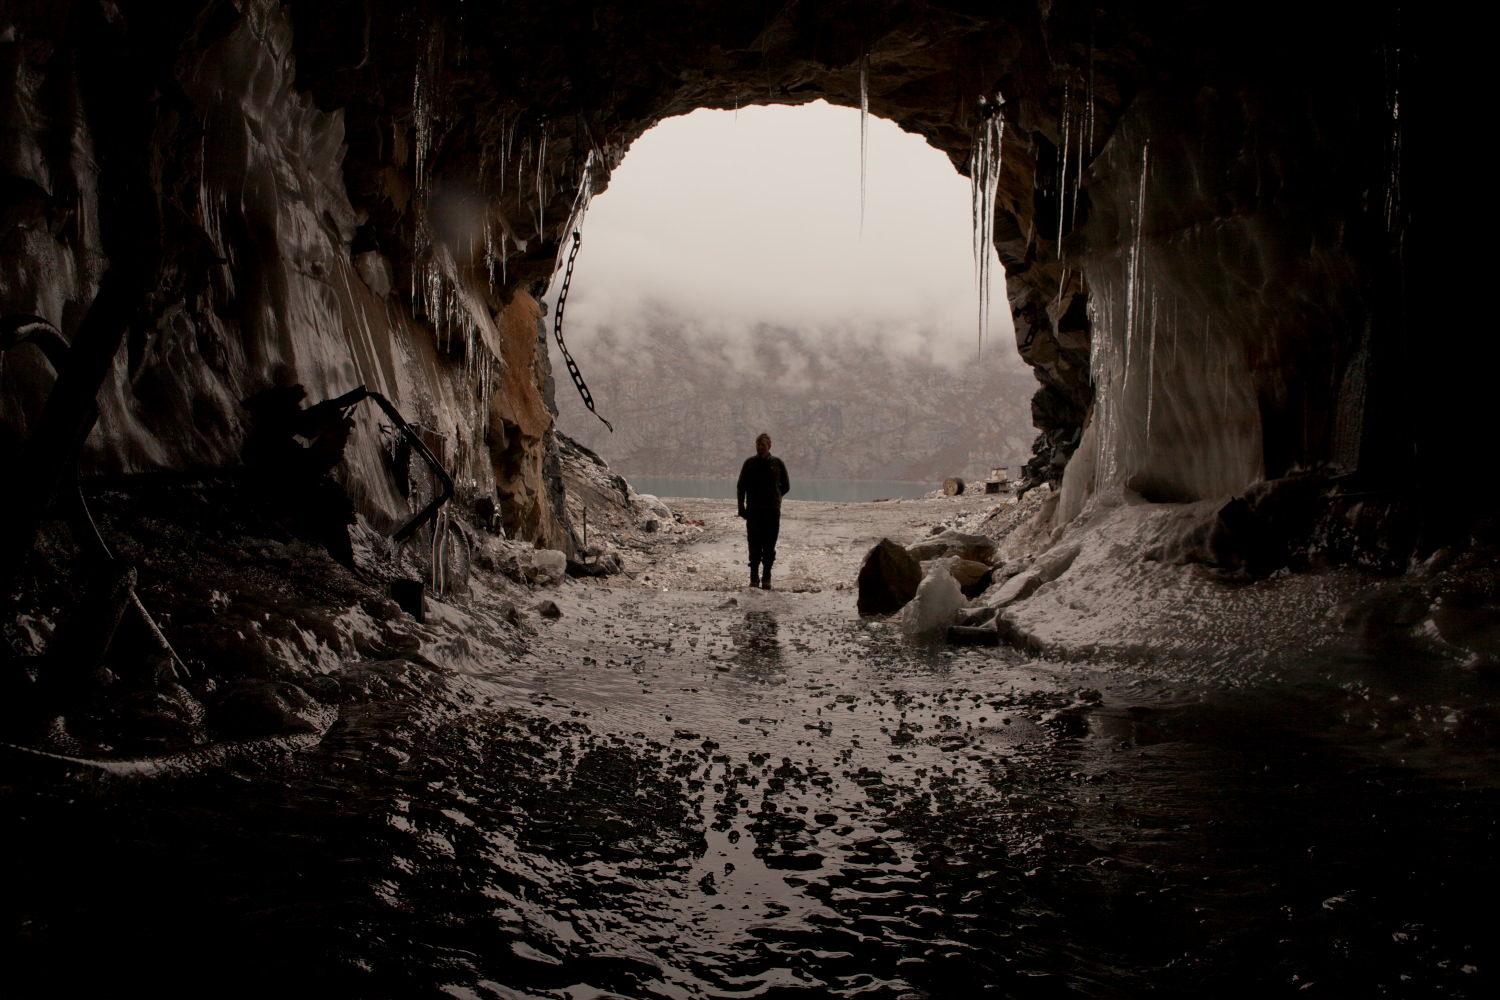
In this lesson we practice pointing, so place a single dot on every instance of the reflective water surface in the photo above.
(761, 795)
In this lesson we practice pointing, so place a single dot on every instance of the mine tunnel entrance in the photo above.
(806, 270)
(674, 785)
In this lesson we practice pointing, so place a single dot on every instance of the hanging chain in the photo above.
(562, 298)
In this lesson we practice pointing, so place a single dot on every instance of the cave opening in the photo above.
(801, 268)
(669, 784)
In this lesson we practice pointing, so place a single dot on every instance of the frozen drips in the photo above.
(541, 182)
(1176, 412)
(984, 184)
(1134, 263)
(581, 199)
(1062, 167)
(864, 133)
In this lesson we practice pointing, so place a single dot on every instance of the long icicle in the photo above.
(1133, 280)
(984, 183)
(864, 133)
(1062, 174)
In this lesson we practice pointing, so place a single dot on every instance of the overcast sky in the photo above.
(742, 217)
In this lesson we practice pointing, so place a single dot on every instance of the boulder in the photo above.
(975, 617)
(544, 565)
(976, 548)
(1017, 588)
(973, 577)
(888, 578)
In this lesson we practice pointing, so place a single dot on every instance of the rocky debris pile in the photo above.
(1223, 585)
(608, 516)
(270, 635)
(930, 581)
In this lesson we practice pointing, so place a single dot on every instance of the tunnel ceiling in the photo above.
(494, 83)
(1198, 205)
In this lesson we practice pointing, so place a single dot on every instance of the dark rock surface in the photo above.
(1195, 183)
(888, 579)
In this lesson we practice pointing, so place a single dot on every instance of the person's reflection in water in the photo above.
(759, 653)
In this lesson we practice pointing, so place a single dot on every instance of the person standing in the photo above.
(763, 482)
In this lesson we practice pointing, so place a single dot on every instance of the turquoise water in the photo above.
(837, 490)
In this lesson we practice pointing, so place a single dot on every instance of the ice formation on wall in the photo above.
(1176, 413)
(984, 182)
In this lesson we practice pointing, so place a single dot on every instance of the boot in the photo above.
(765, 580)
(754, 575)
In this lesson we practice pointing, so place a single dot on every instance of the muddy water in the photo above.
(735, 793)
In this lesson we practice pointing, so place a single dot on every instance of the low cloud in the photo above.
(736, 219)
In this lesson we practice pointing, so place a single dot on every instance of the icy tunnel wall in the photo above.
(1235, 228)
(1197, 206)
(262, 283)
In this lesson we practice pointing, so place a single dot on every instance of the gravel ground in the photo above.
(821, 545)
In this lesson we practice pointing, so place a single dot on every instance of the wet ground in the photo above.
(686, 788)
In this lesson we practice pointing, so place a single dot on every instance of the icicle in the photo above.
(1062, 165)
(984, 183)
(1151, 370)
(521, 164)
(541, 197)
(422, 126)
(1133, 278)
(864, 133)
(488, 237)
(581, 199)
(1090, 94)
(1393, 174)
(439, 536)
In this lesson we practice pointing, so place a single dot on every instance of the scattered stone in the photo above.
(969, 635)
(389, 756)
(168, 715)
(974, 617)
(1017, 588)
(972, 576)
(260, 707)
(1055, 562)
(510, 614)
(605, 564)
(549, 609)
(544, 566)
(888, 579)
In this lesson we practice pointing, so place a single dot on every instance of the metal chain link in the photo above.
(562, 298)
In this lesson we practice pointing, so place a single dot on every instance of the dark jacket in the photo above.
(762, 483)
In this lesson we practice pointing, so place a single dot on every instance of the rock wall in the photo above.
(1201, 211)
(260, 277)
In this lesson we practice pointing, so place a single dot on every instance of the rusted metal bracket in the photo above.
(352, 398)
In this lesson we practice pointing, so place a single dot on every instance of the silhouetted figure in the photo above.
(290, 451)
(763, 482)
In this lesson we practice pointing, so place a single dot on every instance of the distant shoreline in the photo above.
(834, 490)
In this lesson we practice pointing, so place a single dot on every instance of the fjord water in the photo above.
(833, 490)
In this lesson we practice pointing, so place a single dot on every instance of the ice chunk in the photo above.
(937, 602)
